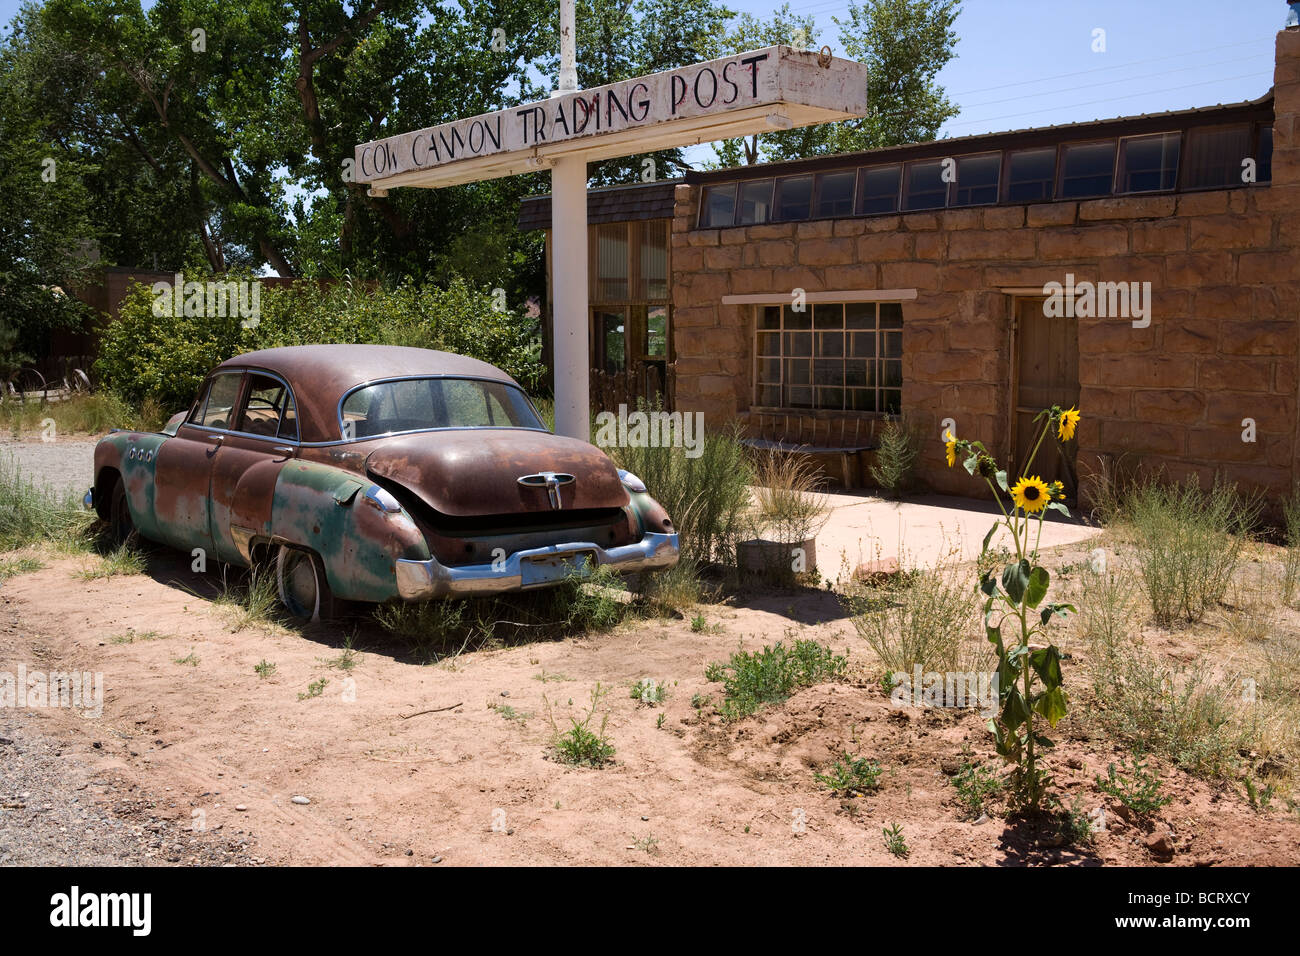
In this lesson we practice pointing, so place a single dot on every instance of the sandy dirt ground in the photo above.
(406, 763)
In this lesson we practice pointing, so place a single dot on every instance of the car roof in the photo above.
(320, 375)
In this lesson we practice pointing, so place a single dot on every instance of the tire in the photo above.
(121, 526)
(304, 590)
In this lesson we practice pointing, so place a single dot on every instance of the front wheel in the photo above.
(121, 526)
(304, 591)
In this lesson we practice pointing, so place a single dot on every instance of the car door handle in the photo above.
(286, 450)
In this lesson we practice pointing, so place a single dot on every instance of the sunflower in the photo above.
(1057, 489)
(1030, 494)
(952, 452)
(1066, 424)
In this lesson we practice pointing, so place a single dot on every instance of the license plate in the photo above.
(550, 568)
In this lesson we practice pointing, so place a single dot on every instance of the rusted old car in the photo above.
(374, 473)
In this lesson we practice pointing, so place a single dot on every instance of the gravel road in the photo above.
(65, 464)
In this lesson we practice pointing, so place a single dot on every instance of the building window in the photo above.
(793, 198)
(835, 193)
(653, 244)
(1031, 174)
(719, 206)
(1264, 169)
(925, 186)
(1214, 156)
(755, 202)
(835, 356)
(1087, 170)
(977, 179)
(1148, 163)
(611, 262)
(880, 189)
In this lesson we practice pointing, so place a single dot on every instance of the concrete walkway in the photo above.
(919, 530)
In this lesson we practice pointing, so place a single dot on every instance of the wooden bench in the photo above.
(809, 435)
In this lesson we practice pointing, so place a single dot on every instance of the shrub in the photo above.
(1189, 544)
(976, 785)
(1291, 564)
(920, 618)
(705, 496)
(164, 358)
(895, 457)
(771, 675)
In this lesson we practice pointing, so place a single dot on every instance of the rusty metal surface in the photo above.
(320, 374)
(452, 499)
(478, 471)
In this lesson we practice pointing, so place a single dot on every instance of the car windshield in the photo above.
(415, 404)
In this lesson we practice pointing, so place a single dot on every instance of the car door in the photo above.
(183, 469)
(264, 435)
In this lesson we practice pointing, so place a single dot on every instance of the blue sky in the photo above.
(1027, 63)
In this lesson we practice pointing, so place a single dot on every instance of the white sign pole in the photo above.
(571, 357)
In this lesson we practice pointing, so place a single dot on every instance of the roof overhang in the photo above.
(764, 90)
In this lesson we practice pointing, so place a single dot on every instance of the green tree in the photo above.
(904, 44)
(46, 237)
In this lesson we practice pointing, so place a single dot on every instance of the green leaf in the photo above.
(988, 584)
(1046, 662)
(1002, 481)
(1051, 704)
(970, 464)
(1059, 506)
(1060, 610)
(1014, 710)
(1015, 579)
(989, 537)
(1038, 582)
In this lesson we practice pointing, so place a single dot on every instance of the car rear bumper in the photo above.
(534, 568)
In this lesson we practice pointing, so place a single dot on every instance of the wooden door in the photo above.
(1046, 369)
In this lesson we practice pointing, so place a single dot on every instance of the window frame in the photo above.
(200, 409)
(1063, 149)
(1121, 164)
(878, 388)
(418, 431)
(246, 391)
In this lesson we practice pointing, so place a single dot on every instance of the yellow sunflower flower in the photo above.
(1030, 494)
(1067, 423)
(952, 452)
(1057, 489)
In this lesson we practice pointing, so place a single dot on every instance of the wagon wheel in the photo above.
(304, 589)
(26, 381)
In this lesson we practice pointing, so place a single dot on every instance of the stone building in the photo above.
(809, 299)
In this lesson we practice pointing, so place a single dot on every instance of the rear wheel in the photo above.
(120, 524)
(304, 591)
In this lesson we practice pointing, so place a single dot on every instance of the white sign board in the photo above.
(775, 88)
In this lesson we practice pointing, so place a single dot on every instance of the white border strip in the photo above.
(853, 295)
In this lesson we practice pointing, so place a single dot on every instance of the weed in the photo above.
(581, 746)
(509, 713)
(1260, 798)
(13, 566)
(650, 692)
(894, 840)
(772, 674)
(122, 560)
(314, 689)
(647, 844)
(976, 786)
(851, 775)
(133, 637)
(1135, 786)
(895, 457)
(697, 623)
(264, 669)
(1189, 544)
(921, 618)
(191, 659)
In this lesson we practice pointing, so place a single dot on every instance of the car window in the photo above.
(216, 408)
(415, 404)
(269, 410)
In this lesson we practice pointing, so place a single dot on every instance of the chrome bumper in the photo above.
(534, 568)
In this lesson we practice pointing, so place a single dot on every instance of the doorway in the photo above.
(1045, 372)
